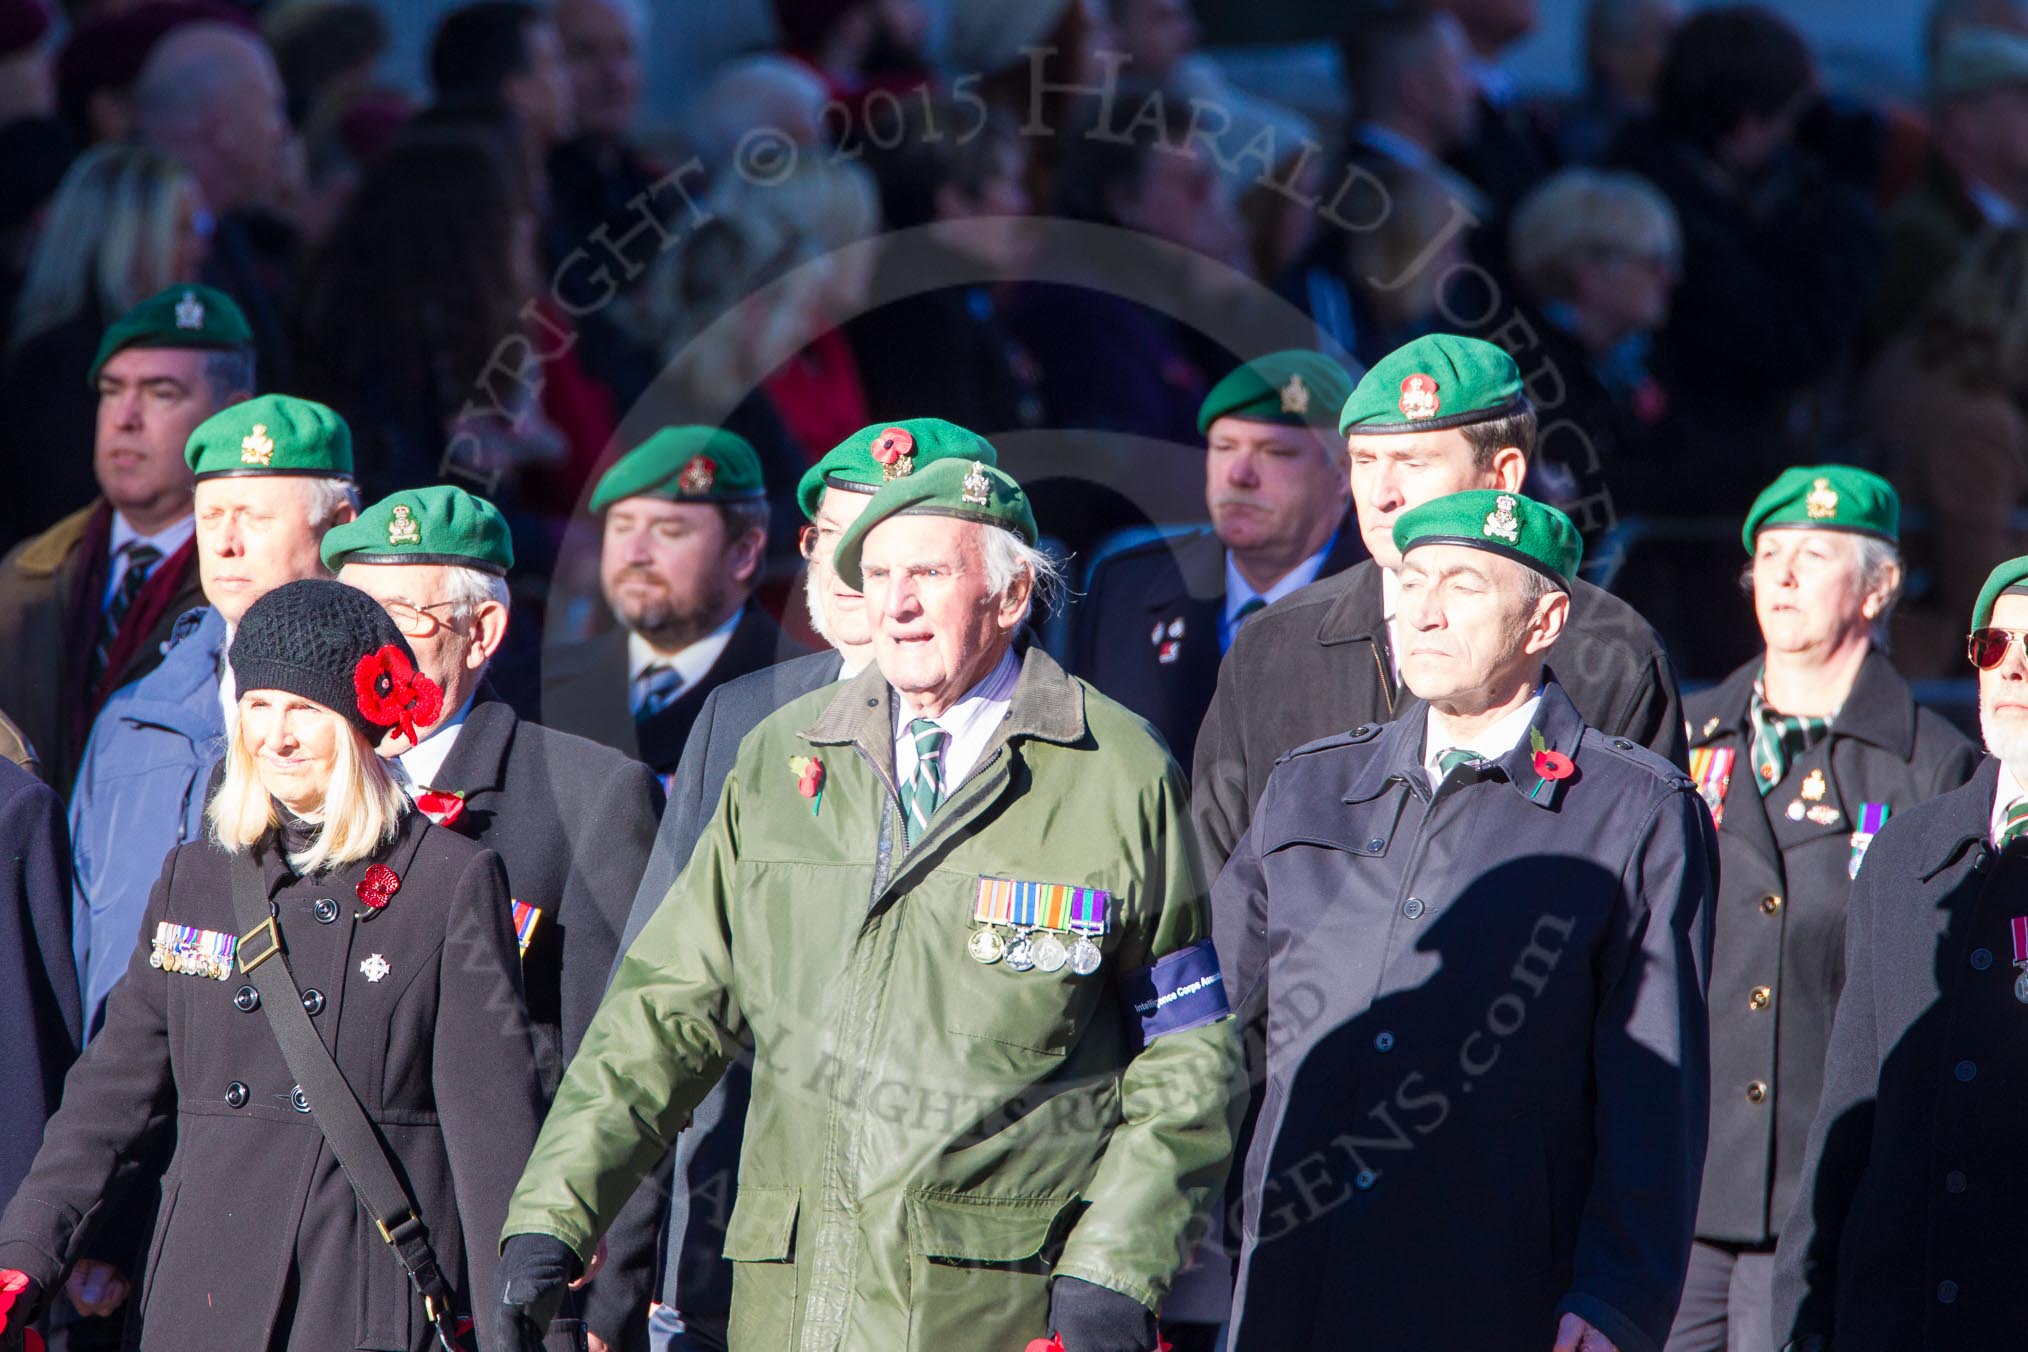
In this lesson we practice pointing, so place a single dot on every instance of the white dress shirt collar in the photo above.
(971, 723)
(2005, 792)
(1491, 744)
(690, 663)
(1238, 591)
(425, 762)
(166, 542)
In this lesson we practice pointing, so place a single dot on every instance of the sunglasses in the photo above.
(1988, 647)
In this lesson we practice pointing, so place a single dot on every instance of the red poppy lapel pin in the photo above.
(809, 773)
(1550, 766)
(376, 889)
(393, 694)
(442, 806)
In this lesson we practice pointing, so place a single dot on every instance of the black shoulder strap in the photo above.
(352, 1138)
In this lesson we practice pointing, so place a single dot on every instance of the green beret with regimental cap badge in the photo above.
(970, 490)
(438, 524)
(1533, 534)
(188, 315)
(685, 464)
(1826, 497)
(271, 434)
(883, 452)
(1296, 388)
(2009, 576)
(1436, 382)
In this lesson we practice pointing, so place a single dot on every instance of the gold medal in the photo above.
(986, 945)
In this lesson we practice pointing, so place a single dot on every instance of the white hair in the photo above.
(1007, 557)
(469, 588)
(324, 497)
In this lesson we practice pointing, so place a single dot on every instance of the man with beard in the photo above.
(696, 1287)
(685, 522)
(1908, 1228)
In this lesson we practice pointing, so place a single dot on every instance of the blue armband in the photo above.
(1182, 991)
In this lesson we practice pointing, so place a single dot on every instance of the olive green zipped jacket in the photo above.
(932, 1138)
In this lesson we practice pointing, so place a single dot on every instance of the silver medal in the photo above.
(1084, 956)
(2021, 988)
(986, 945)
(1021, 953)
(1050, 954)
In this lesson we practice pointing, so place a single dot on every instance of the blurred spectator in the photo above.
(210, 98)
(88, 605)
(329, 53)
(1259, 146)
(1372, 288)
(506, 54)
(96, 70)
(759, 93)
(856, 45)
(991, 40)
(1596, 254)
(1947, 16)
(38, 152)
(27, 82)
(400, 323)
(936, 325)
(126, 223)
(1946, 403)
(1155, 36)
(1508, 151)
(1625, 42)
(1767, 236)
(832, 205)
(1976, 175)
(1414, 103)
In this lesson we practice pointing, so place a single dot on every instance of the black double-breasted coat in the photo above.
(1485, 1082)
(1778, 956)
(1909, 1228)
(1147, 628)
(259, 1240)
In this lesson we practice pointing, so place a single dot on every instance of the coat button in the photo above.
(1965, 1071)
(325, 909)
(313, 1003)
(1365, 1179)
(1979, 866)
(1412, 908)
(299, 1100)
(1376, 842)
(1622, 744)
(246, 999)
(1770, 904)
(1946, 1291)
(1982, 958)
(1756, 1092)
(1954, 1182)
(1383, 1041)
(235, 1095)
(1760, 998)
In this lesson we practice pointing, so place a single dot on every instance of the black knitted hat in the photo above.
(334, 644)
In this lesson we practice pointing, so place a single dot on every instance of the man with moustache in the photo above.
(1802, 755)
(686, 518)
(1157, 619)
(87, 606)
(1912, 1215)
(696, 1284)
(571, 820)
(1480, 935)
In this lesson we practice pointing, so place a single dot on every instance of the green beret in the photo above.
(1298, 388)
(1531, 533)
(1435, 382)
(271, 434)
(1972, 59)
(438, 524)
(2007, 577)
(182, 316)
(883, 452)
(684, 464)
(970, 490)
(1826, 497)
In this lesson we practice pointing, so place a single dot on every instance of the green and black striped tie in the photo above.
(925, 788)
(1779, 738)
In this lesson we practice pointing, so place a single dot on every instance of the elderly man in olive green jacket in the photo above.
(954, 904)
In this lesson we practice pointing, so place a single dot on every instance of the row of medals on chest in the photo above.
(1033, 950)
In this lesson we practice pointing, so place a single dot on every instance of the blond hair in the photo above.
(1581, 215)
(363, 803)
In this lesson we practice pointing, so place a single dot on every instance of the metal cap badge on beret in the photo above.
(438, 524)
(1297, 388)
(1826, 497)
(271, 434)
(684, 464)
(970, 490)
(2009, 576)
(182, 316)
(1533, 534)
(883, 452)
(1433, 383)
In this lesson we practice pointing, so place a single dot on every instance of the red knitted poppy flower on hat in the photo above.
(393, 694)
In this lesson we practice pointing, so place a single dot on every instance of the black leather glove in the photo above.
(1093, 1318)
(535, 1271)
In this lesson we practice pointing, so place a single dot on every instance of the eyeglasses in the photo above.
(809, 537)
(1988, 647)
(417, 621)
